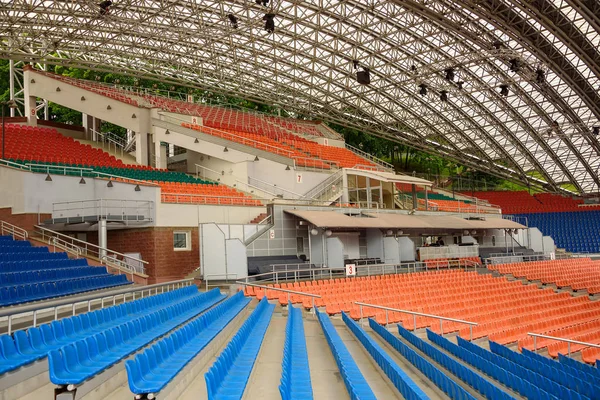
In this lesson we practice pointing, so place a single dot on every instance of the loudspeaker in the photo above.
(363, 77)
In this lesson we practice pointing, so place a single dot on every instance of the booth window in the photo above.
(181, 241)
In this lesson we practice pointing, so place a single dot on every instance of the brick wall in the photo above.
(155, 246)
(25, 221)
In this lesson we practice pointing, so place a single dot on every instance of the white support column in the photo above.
(141, 148)
(369, 195)
(11, 64)
(345, 194)
(30, 108)
(102, 239)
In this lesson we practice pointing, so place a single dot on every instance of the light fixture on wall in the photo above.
(167, 132)
(256, 158)
(109, 184)
(133, 116)
(196, 141)
(287, 168)
(58, 89)
(82, 181)
(328, 232)
(390, 232)
(399, 232)
(137, 188)
(314, 232)
(108, 107)
(225, 149)
(32, 81)
(82, 98)
(473, 232)
(48, 178)
(466, 232)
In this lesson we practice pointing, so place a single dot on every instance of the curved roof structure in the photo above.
(545, 53)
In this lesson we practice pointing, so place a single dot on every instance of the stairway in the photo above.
(260, 217)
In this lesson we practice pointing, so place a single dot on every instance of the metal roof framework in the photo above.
(539, 134)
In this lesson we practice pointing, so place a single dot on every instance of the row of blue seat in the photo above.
(527, 375)
(17, 248)
(228, 376)
(476, 381)
(16, 352)
(507, 378)
(406, 386)
(6, 237)
(25, 293)
(77, 362)
(13, 244)
(592, 372)
(441, 380)
(153, 369)
(45, 275)
(295, 381)
(549, 370)
(355, 382)
(33, 256)
(34, 265)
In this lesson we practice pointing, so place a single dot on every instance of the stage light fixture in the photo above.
(515, 65)
(269, 22)
(105, 7)
(449, 74)
(363, 77)
(504, 90)
(596, 130)
(460, 85)
(444, 95)
(355, 64)
(233, 20)
(540, 76)
(423, 89)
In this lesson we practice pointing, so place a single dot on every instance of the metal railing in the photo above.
(207, 199)
(203, 172)
(315, 163)
(254, 190)
(415, 315)
(272, 188)
(110, 141)
(113, 209)
(13, 230)
(568, 341)
(128, 264)
(13, 312)
(288, 291)
(69, 248)
(316, 193)
(370, 157)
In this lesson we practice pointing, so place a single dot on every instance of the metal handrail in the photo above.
(369, 157)
(13, 230)
(324, 186)
(249, 186)
(63, 245)
(86, 246)
(54, 304)
(250, 179)
(415, 314)
(288, 291)
(569, 341)
(228, 199)
(227, 274)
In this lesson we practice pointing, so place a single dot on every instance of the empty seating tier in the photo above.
(578, 274)
(30, 273)
(438, 377)
(355, 382)
(45, 149)
(35, 343)
(399, 378)
(152, 370)
(228, 376)
(96, 351)
(575, 231)
(504, 310)
(295, 372)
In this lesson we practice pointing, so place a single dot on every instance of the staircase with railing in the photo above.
(116, 262)
(386, 166)
(8, 229)
(328, 190)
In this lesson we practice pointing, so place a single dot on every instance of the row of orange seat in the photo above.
(578, 274)
(504, 310)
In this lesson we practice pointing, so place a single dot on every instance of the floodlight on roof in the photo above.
(269, 22)
(515, 65)
(423, 89)
(596, 130)
(233, 19)
(540, 76)
(504, 90)
(444, 95)
(449, 74)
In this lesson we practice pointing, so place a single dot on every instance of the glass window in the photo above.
(181, 241)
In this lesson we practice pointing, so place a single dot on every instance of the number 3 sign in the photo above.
(350, 269)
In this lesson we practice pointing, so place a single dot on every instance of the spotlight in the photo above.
(497, 45)
(233, 20)
(423, 89)
(355, 64)
(596, 130)
(444, 95)
(460, 85)
(449, 74)
(105, 7)
(504, 90)
(413, 69)
(540, 76)
(269, 22)
(515, 65)
(364, 77)
(263, 2)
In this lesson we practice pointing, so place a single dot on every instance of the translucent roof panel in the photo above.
(520, 101)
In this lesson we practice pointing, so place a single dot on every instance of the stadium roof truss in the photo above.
(539, 133)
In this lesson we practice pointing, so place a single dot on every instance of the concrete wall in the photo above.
(190, 215)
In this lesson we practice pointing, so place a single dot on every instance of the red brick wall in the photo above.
(25, 221)
(155, 246)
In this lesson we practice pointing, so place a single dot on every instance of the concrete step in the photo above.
(381, 386)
